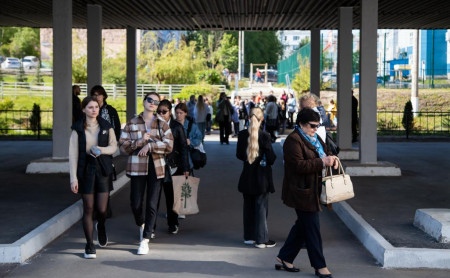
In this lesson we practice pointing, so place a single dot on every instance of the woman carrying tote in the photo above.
(305, 158)
(92, 144)
(254, 148)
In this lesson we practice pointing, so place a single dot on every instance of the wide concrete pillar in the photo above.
(131, 73)
(368, 82)
(94, 46)
(62, 77)
(344, 78)
(315, 62)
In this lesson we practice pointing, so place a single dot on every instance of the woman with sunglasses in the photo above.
(92, 144)
(254, 148)
(177, 158)
(146, 138)
(305, 160)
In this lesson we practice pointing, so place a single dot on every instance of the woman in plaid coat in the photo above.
(146, 139)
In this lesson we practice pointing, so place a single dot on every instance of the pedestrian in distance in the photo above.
(91, 146)
(146, 139)
(201, 111)
(271, 116)
(208, 117)
(191, 106)
(235, 118)
(354, 118)
(77, 114)
(178, 159)
(254, 148)
(305, 159)
(223, 117)
(292, 108)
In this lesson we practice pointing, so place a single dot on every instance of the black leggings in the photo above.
(99, 201)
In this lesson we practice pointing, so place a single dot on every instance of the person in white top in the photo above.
(92, 144)
(292, 108)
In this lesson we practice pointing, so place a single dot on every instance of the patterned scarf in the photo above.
(314, 141)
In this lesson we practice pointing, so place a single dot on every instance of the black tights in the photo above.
(101, 202)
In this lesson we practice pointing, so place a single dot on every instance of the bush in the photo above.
(35, 119)
(207, 91)
(21, 77)
(211, 77)
(6, 104)
(408, 117)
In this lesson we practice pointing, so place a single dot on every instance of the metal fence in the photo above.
(114, 90)
(17, 123)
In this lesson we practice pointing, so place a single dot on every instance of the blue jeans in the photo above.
(202, 127)
(256, 209)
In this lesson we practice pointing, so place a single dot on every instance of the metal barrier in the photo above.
(114, 90)
(17, 123)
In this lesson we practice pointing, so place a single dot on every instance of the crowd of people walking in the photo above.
(158, 143)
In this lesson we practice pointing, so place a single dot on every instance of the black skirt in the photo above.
(93, 180)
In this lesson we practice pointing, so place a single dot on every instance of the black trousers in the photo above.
(138, 186)
(291, 119)
(225, 129)
(172, 217)
(236, 128)
(305, 230)
(256, 210)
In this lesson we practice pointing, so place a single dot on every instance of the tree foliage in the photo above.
(301, 82)
(228, 51)
(355, 62)
(261, 47)
(408, 118)
(19, 42)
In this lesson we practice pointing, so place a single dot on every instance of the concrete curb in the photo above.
(386, 254)
(34, 241)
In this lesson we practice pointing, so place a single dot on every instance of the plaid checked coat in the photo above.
(131, 142)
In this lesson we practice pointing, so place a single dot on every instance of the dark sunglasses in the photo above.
(313, 125)
(163, 112)
(150, 100)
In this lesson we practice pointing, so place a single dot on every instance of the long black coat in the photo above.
(256, 179)
(179, 154)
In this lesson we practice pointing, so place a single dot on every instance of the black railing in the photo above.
(424, 123)
(17, 123)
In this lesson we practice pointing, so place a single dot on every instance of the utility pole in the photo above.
(432, 64)
(239, 56)
(384, 61)
(242, 52)
(415, 73)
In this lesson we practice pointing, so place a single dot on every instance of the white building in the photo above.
(291, 40)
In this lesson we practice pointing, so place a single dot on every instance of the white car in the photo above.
(30, 62)
(11, 63)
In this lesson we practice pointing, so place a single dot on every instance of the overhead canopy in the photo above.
(230, 14)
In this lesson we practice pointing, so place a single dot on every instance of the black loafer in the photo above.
(285, 267)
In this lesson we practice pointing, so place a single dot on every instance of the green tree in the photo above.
(38, 77)
(35, 119)
(304, 42)
(408, 118)
(355, 62)
(21, 77)
(114, 69)
(79, 69)
(228, 52)
(301, 81)
(20, 42)
(260, 48)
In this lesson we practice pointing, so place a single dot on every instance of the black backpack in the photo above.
(198, 158)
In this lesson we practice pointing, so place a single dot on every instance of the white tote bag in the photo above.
(185, 195)
(336, 188)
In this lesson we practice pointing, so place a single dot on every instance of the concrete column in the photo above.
(62, 77)
(315, 62)
(131, 73)
(94, 46)
(344, 78)
(415, 73)
(368, 82)
(240, 56)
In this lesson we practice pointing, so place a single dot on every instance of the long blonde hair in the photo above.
(256, 117)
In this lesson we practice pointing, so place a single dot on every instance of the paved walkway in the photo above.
(208, 244)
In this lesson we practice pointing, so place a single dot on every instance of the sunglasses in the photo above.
(163, 112)
(152, 101)
(313, 125)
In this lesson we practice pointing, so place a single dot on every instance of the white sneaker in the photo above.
(141, 232)
(181, 216)
(153, 236)
(143, 247)
(249, 242)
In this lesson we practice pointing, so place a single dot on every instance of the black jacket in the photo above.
(243, 115)
(256, 179)
(105, 161)
(179, 154)
(109, 113)
(77, 113)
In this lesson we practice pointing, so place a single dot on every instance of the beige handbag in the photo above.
(336, 188)
(185, 195)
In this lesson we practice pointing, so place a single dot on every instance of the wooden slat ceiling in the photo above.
(230, 14)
